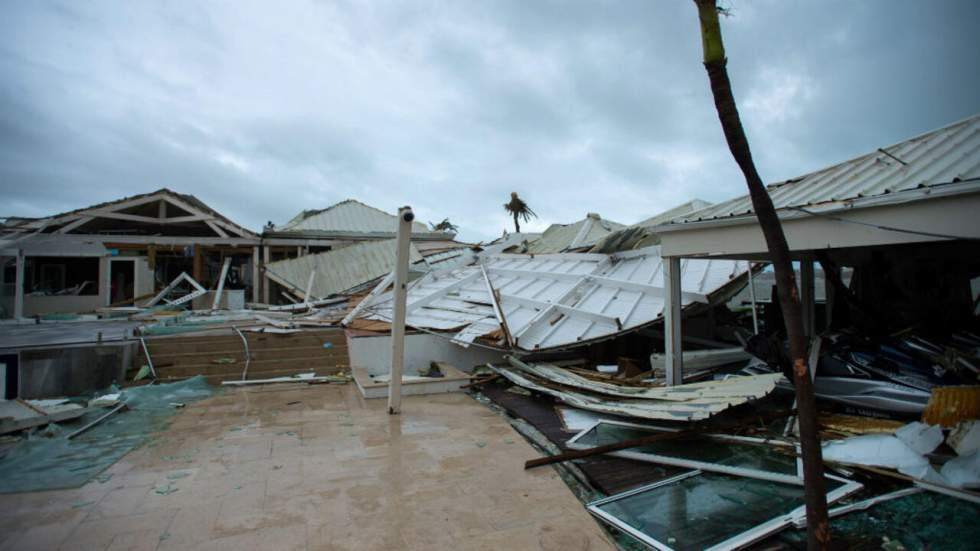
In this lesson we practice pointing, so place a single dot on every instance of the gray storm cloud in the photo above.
(262, 110)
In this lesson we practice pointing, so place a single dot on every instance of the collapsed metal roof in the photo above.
(555, 300)
(949, 155)
(579, 235)
(337, 270)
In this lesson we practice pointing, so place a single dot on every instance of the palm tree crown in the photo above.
(519, 210)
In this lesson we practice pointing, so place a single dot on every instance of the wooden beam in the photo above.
(79, 222)
(216, 228)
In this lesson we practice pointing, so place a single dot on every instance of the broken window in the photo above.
(699, 510)
(747, 487)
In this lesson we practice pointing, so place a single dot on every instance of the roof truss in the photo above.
(221, 228)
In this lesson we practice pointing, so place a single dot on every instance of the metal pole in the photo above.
(673, 352)
(405, 217)
(755, 317)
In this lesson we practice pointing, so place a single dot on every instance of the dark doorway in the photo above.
(122, 280)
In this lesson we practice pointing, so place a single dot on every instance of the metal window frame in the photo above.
(738, 541)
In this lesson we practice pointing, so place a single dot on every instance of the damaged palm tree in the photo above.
(519, 210)
(444, 226)
(818, 527)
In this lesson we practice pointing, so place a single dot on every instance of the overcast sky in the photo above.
(267, 108)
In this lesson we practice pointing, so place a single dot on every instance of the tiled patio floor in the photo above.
(314, 467)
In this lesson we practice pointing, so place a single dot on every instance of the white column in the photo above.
(255, 274)
(266, 282)
(673, 354)
(806, 296)
(405, 217)
(755, 314)
(19, 289)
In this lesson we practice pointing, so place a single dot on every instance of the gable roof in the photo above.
(181, 210)
(943, 158)
(579, 235)
(349, 218)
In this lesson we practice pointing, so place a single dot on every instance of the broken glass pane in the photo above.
(702, 510)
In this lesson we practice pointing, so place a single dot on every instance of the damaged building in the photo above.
(634, 373)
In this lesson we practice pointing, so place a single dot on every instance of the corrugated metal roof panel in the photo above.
(582, 234)
(556, 300)
(339, 269)
(679, 211)
(939, 157)
(348, 216)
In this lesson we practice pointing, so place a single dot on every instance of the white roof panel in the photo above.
(558, 300)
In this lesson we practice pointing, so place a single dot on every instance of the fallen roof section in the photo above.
(337, 270)
(677, 403)
(557, 300)
(576, 236)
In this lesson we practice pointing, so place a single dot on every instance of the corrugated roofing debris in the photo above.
(691, 402)
(554, 301)
(337, 270)
(941, 157)
(577, 236)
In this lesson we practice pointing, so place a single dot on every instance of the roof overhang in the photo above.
(937, 213)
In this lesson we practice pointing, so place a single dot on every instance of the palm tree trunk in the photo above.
(818, 527)
(517, 225)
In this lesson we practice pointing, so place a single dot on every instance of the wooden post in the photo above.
(405, 217)
(151, 257)
(198, 271)
(19, 286)
(673, 352)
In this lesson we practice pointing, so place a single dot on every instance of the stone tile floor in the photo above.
(314, 467)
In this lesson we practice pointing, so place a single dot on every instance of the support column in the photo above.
(19, 286)
(255, 274)
(266, 283)
(830, 297)
(673, 353)
(198, 271)
(755, 309)
(405, 217)
(806, 296)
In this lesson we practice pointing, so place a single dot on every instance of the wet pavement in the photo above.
(314, 467)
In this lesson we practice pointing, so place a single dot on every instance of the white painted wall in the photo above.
(374, 353)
